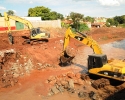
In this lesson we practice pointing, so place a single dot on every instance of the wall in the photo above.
(32, 18)
(45, 24)
(4, 27)
(36, 23)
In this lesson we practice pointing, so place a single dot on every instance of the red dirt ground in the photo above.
(33, 86)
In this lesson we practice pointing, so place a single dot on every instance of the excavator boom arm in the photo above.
(84, 39)
(24, 21)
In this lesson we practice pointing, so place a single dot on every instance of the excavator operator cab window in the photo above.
(96, 61)
(33, 32)
(37, 30)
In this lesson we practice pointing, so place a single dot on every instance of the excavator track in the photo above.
(33, 42)
(100, 83)
(97, 84)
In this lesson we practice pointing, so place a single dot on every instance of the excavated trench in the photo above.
(14, 65)
(17, 70)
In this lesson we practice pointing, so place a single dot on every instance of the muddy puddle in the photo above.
(115, 50)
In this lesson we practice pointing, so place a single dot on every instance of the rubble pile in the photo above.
(40, 66)
(13, 65)
(64, 81)
(69, 82)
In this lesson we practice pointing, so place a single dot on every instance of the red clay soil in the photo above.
(33, 86)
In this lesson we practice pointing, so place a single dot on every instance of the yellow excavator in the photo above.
(35, 33)
(98, 64)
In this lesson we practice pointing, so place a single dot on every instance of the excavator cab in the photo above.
(36, 33)
(96, 61)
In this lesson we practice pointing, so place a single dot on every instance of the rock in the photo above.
(1, 59)
(79, 82)
(94, 96)
(78, 75)
(83, 94)
(61, 89)
(51, 78)
(64, 82)
(66, 86)
(15, 75)
(12, 83)
(58, 82)
(55, 90)
(71, 90)
(71, 83)
(70, 75)
(52, 82)
(50, 93)
(61, 41)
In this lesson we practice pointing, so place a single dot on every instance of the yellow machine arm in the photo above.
(24, 21)
(82, 38)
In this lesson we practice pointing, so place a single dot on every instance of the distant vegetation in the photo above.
(78, 20)
(10, 12)
(45, 13)
(0, 15)
(116, 21)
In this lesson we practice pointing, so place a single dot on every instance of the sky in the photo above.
(93, 8)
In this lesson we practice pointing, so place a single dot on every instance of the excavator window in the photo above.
(96, 61)
(37, 30)
(33, 32)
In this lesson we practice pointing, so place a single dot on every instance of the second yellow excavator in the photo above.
(98, 63)
(35, 33)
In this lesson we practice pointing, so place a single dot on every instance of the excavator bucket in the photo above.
(65, 59)
(10, 37)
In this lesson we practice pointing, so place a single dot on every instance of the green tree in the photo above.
(60, 16)
(39, 11)
(110, 21)
(53, 15)
(0, 15)
(76, 17)
(83, 27)
(88, 19)
(44, 12)
(10, 12)
(116, 23)
(119, 19)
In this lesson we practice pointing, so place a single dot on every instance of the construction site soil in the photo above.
(33, 71)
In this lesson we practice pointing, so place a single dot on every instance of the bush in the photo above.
(107, 24)
(122, 25)
(65, 25)
(83, 27)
